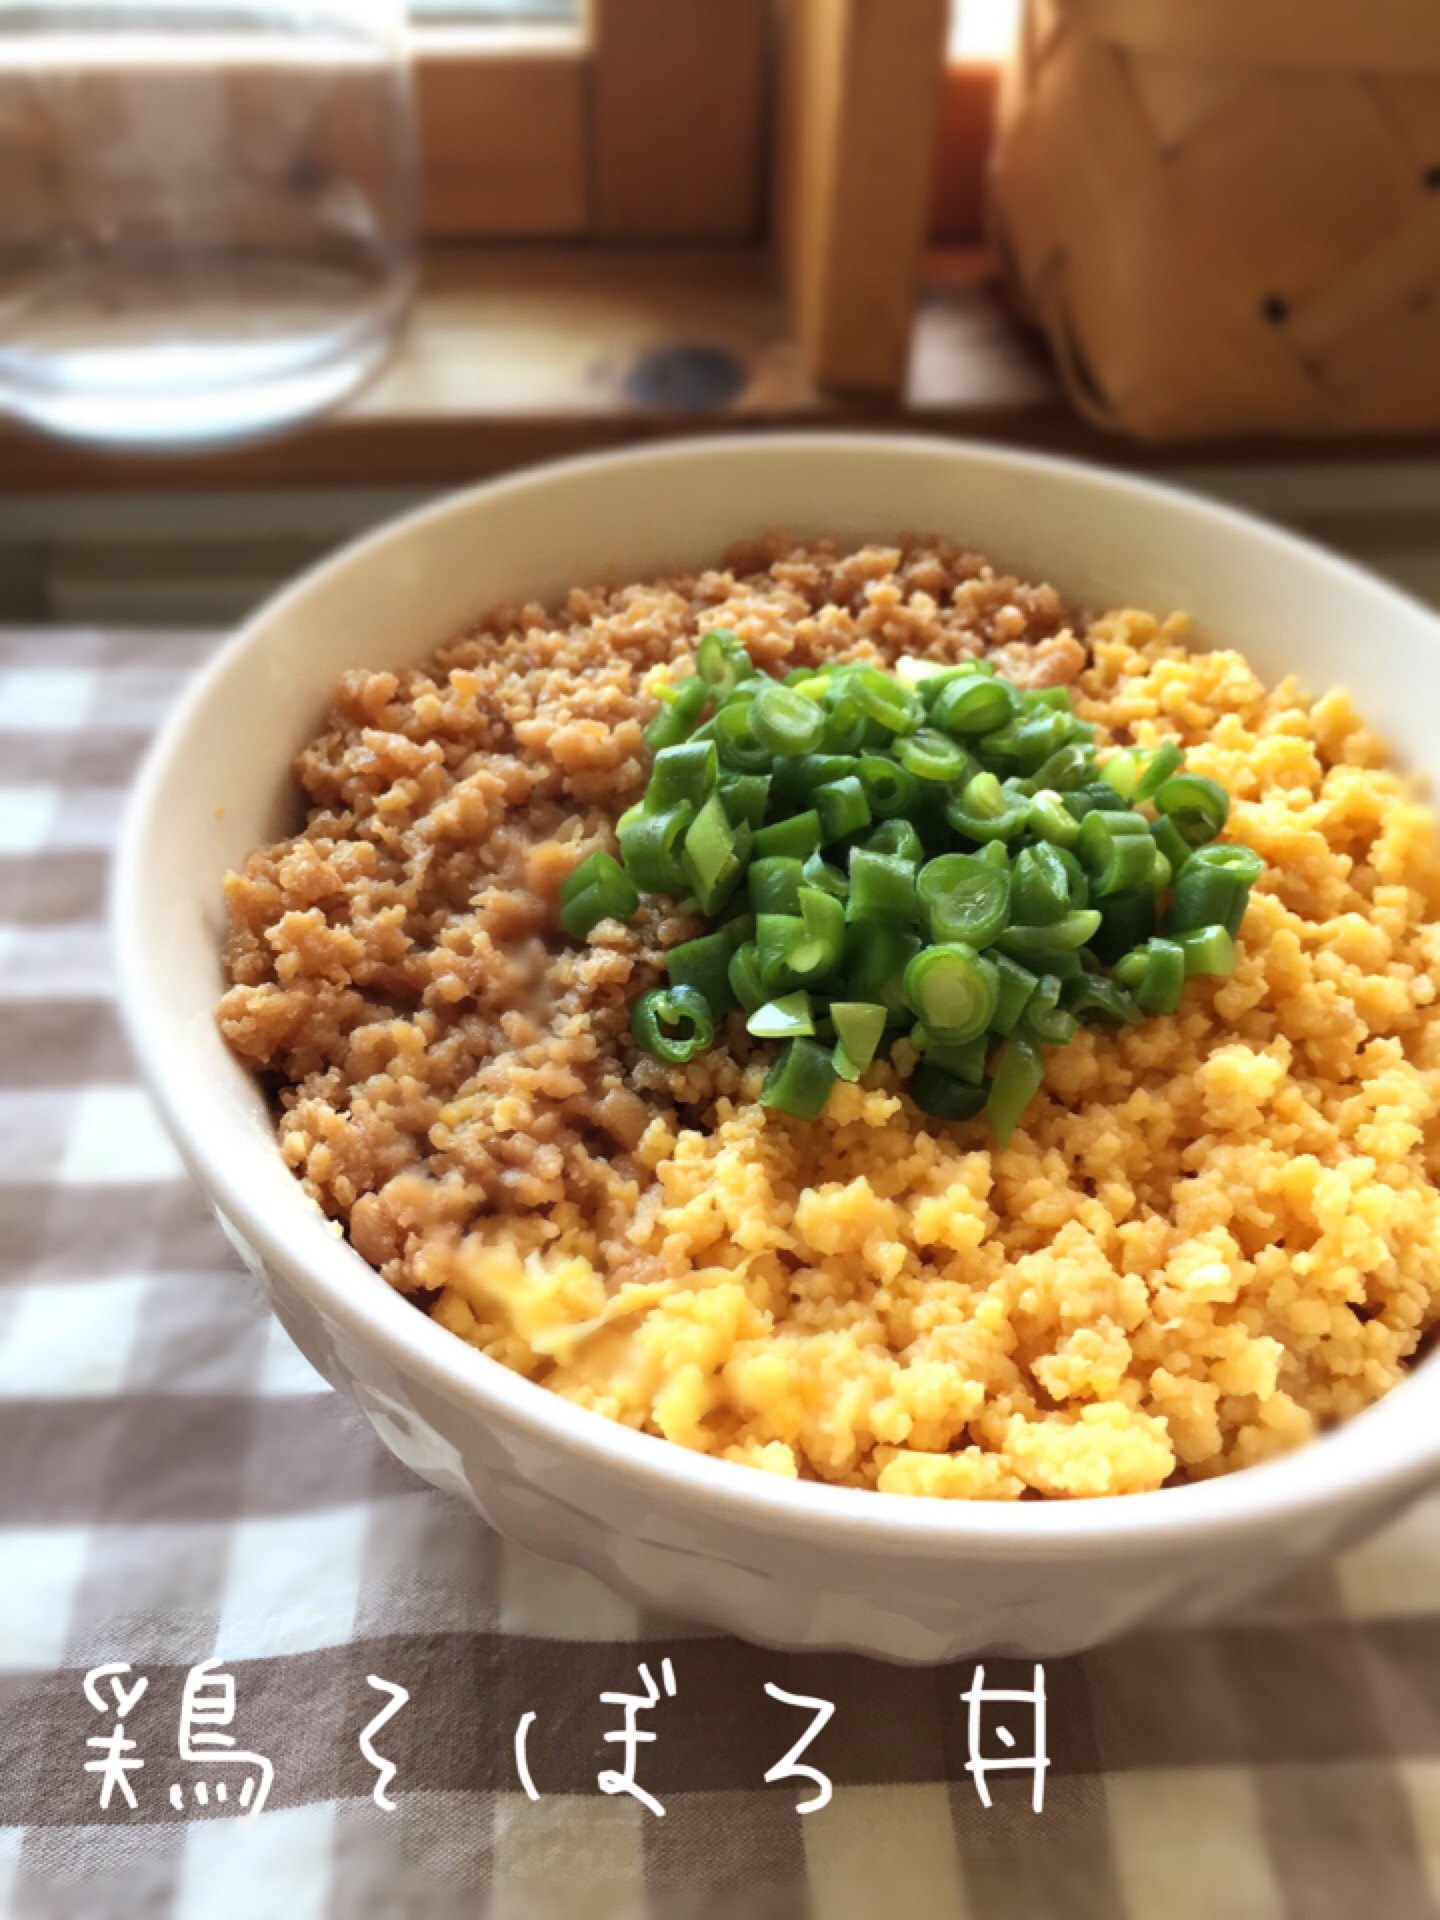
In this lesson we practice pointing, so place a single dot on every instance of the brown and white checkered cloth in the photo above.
(177, 1486)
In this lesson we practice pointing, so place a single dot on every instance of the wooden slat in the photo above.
(859, 101)
(522, 353)
(678, 129)
(962, 152)
(503, 133)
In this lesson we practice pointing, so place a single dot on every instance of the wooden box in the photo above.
(1225, 215)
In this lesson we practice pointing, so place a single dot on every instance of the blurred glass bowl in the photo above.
(207, 212)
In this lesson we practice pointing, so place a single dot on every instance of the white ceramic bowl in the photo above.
(785, 1563)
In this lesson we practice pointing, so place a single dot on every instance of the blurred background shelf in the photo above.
(524, 353)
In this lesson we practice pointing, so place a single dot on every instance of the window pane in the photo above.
(507, 13)
(982, 29)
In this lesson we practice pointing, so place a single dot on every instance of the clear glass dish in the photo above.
(207, 212)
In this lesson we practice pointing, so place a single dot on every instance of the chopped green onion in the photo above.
(964, 1058)
(882, 887)
(859, 1026)
(775, 935)
(883, 699)
(1171, 842)
(599, 889)
(1158, 989)
(1198, 805)
(722, 661)
(933, 681)
(705, 964)
(819, 873)
(1011, 888)
(1045, 1019)
(940, 1096)
(681, 706)
(896, 837)
(1158, 765)
(1213, 889)
(1122, 771)
(743, 977)
(875, 958)
(799, 1083)
(775, 884)
(985, 811)
(930, 755)
(745, 796)
(782, 1019)
(842, 807)
(818, 951)
(973, 704)
(1027, 744)
(715, 854)
(1018, 1074)
(1047, 699)
(1052, 819)
(1098, 994)
(673, 1023)
(1042, 943)
(682, 776)
(1207, 950)
(796, 837)
(952, 990)
(966, 897)
(1117, 851)
(1039, 887)
(1126, 921)
(796, 776)
(784, 721)
(889, 787)
(845, 726)
(1075, 875)
(739, 749)
(1069, 767)
(1014, 985)
(652, 849)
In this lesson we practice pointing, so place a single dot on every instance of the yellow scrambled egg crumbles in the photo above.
(1212, 1234)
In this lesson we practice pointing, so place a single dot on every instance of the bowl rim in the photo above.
(1329, 1470)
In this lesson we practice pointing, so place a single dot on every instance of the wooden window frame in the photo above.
(839, 127)
(646, 121)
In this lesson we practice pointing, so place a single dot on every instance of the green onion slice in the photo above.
(1018, 1074)
(1039, 887)
(599, 889)
(799, 836)
(952, 991)
(931, 755)
(682, 775)
(799, 1083)
(783, 721)
(965, 896)
(941, 1096)
(1207, 950)
(673, 1023)
(882, 887)
(1198, 805)
(652, 848)
(775, 884)
(742, 973)
(782, 1019)
(842, 807)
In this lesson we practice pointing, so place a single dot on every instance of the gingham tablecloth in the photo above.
(178, 1487)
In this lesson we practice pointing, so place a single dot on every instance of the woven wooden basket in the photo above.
(1225, 214)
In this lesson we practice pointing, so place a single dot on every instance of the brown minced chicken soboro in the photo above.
(1212, 1233)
